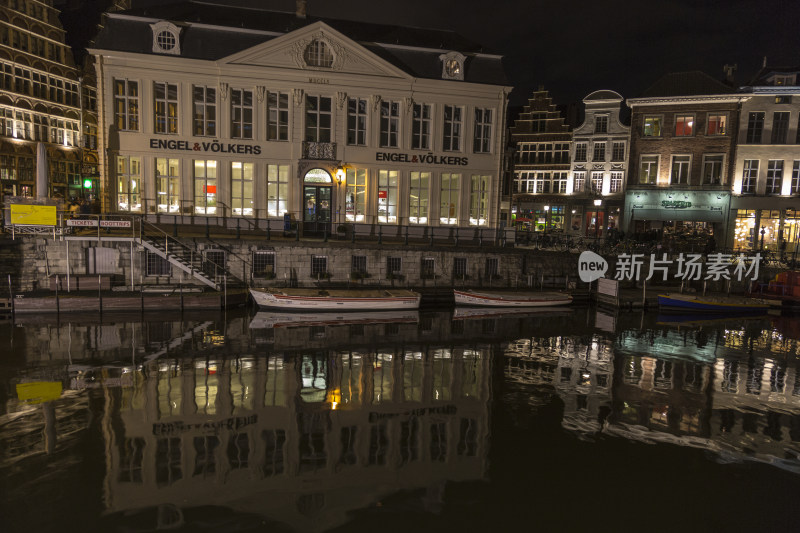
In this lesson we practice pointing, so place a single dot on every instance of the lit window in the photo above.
(318, 54)
(684, 125)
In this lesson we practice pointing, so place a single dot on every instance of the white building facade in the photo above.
(202, 119)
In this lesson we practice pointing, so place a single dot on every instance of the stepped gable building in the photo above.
(681, 156)
(599, 166)
(766, 181)
(45, 104)
(541, 177)
(220, 111)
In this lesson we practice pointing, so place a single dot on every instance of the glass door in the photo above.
(317, 203)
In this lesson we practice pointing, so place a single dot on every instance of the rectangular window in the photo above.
(355, 206)
(712, 169)
(459, 267)
(318, 119)
(319, 265)
(242, 188)
(780, 127)
(358, 264)
(204, 100)
(541, 182)
(390, 124)
(796, 177)
(597, 182)
(755, 126)
(394, 266)
(168, 183)
(717, 125)
(491, 267)
(126, 105)
(241, 114)
(421, 127)
(452, 129)
(601, 124)
(277, 116)
(418, 202)
(774, 176)
(387, 197)
(129, 181)
(680, 169)
(483, 131)
(684, 125)
(155, 265)
(277, 190)
(580, 151)
(357, 121)
(616, 182)
(648, 170)
(579, 181)
(264, 263)
(561, 153)
(205, 187)
(560, 182)
(652, 126)
(479, 200)
(618, 151)
(448, 206)
(750, 176)
(427, 268)
(599, 153)
(165, 106)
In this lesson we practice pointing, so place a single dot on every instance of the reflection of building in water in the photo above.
(661, 395)
(579, 368)
(301, 439)
(757, 408)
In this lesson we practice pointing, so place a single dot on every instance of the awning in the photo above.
(694, 215)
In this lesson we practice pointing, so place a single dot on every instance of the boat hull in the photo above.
(707, 305)
(312, 300)
(273, 320)
(493, 299)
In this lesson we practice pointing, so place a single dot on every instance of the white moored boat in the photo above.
(333, 299)
(511, 299)
(272, 320)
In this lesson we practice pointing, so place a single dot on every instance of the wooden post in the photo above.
(11, 296)
(100, 292)
(58, 303)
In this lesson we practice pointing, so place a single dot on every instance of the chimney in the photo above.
(729, 71)
(300, 10)
(764, 64)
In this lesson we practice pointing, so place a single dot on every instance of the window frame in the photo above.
(357, 121)
(130, 115)
(277, 180)
(419, 203)
(207, 125)
(314, 130)
(659, 125)
(278, 116)
(681, 159)
(774, 178)
(452, 127)
(755, 127)
(389, 131)
(750, 176)
(421, 130)
(166, 121)
(689, 123)
(482, 137)
(712, 159)
(452, 198)
(240, 110)
(724, 123)
(653, 162)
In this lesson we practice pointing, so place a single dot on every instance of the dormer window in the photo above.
(318, 54)
(166, 38)
(452, 66)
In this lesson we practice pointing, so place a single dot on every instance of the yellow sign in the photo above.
(39, 391)
(33, 215)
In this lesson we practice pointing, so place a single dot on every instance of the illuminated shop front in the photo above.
(683, 216)
(757, 229)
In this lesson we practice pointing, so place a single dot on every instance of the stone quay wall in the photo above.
(40, 259)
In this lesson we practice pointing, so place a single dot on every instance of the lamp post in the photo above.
(763, 231)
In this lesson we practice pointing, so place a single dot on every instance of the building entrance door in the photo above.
(317, 201)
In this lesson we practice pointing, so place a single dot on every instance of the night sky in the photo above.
(574, 47)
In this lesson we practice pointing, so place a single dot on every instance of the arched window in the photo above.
(318, 54)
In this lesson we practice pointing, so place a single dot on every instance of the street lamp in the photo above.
(763, 231)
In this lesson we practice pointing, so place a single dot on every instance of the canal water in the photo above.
(561, 420)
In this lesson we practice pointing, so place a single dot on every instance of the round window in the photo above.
(166, 40)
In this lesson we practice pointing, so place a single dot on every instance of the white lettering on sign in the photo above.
(81, 223)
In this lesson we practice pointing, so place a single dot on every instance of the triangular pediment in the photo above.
(288, 51)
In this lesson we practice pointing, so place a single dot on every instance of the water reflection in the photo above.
(306, 419)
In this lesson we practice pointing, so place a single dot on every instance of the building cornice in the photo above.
(679, 100)
(771, 90)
